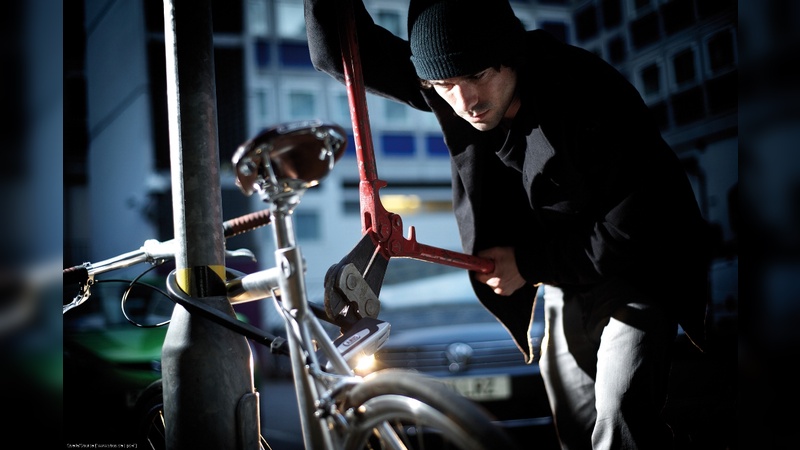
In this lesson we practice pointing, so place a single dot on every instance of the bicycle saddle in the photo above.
(288, 157)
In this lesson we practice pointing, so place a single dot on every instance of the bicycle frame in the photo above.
(282, 178)
(315, 387)
(280, 164)
(321, 367)
(338, 409)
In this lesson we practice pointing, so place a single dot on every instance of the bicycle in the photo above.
(392, 409)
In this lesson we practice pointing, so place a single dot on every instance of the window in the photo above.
(645, 31)
(262, 103)
(301, 105)
(651, 80)
(262, 109)
(290, 19)
(640, 6)
(586, 23)
(708, 8)
(257, 18)
(677, 15)
(616, 50)
(262, 53)
(683, 66)
(299, 100)
(307, 224)
(435, 145)
(396, 144)
(612, 13)
(340, 107)
(721, 54)
(688, 106)
(723, 93)
(661, 115)
(350, 150)
(339, 112)
(293, 54)
(395, 113)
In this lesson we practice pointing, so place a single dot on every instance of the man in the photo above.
(561, 176)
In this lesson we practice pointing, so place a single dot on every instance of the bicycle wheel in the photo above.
(149, 418)
(149, 413)
(400, 409)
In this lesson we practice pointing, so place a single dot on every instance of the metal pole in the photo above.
(209, 395)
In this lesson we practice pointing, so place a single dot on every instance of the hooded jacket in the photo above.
(582, 185)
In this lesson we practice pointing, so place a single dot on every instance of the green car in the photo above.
(109, 361)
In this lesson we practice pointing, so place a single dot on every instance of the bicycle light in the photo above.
(363, 339)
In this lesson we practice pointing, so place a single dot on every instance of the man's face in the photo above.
(483, 99)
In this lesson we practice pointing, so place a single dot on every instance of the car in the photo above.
(439, 328)
(108, 362)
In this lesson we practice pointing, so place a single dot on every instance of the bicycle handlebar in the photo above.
(76, 274)
(245, 223)
(154, 251)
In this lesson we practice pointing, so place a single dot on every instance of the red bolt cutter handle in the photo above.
(385, 228)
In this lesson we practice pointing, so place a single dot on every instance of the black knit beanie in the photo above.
(452, 38)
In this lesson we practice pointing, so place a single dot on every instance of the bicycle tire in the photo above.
(422, 411)
(150, 432)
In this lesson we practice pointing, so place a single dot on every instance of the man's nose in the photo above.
(466, 97)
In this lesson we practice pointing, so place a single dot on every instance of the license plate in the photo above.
(482, 388)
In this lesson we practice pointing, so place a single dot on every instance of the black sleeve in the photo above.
(385, 58)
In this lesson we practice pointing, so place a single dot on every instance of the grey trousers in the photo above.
(606, 358)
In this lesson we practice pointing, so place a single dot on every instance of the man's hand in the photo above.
(505, 279)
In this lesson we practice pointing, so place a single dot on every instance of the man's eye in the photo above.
(477, 76)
